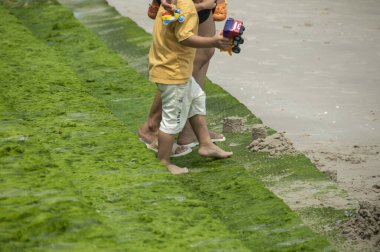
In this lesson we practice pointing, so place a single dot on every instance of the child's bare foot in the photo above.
(212, 150)
(176, 170)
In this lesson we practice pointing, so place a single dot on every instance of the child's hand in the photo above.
(167, 4)
(221, 42)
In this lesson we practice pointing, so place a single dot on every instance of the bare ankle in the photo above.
(152, 125)
(147, 134)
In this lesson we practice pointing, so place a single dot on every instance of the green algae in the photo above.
(73, 188)
(131, 44)
(99, 161)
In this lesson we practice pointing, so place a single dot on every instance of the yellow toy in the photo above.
(172, 16)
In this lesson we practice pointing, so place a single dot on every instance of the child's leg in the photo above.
(165, 144)
(197, 118)
(206, 147)
(174, 113)
(148, 131)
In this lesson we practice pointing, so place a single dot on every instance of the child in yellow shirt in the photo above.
(170, 66)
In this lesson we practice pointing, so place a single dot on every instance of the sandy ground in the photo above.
(311, 69)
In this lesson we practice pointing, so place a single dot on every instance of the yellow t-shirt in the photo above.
(169, 61)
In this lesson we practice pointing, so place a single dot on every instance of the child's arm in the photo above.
(204, 5)
(217, 41)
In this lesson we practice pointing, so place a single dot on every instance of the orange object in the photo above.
(220, 12)
(153, 9)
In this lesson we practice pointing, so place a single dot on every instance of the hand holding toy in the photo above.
(233, 29)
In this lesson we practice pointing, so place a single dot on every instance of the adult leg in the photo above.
(203, 55)
(148, 131)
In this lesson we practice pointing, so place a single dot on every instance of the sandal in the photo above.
(214, 139)
(154, 147)
(153, 9)
(220, 11)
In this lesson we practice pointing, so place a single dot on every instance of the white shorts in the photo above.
(180, 102)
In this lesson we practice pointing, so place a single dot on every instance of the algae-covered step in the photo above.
(88, 130)
(80, 181)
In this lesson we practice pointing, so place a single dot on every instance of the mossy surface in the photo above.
(74, 176)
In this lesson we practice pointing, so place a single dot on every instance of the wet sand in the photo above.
(311, 69)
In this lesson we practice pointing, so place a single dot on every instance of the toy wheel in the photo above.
(242, 29)
(181, 19)
(236, 49)
(237, 38)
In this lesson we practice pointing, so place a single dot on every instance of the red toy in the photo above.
(234, 29)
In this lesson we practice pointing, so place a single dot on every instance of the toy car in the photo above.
(234, 29)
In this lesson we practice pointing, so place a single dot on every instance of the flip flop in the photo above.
(196, 143)
(175, 146)
(154, 147)
(214, 140)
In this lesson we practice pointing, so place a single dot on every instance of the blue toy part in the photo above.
(233, 29)
(227, 27)
(181, 18)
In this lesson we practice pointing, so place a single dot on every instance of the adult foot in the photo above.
(212, 150)
(146, 135)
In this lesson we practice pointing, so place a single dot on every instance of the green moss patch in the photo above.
(75, 176)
